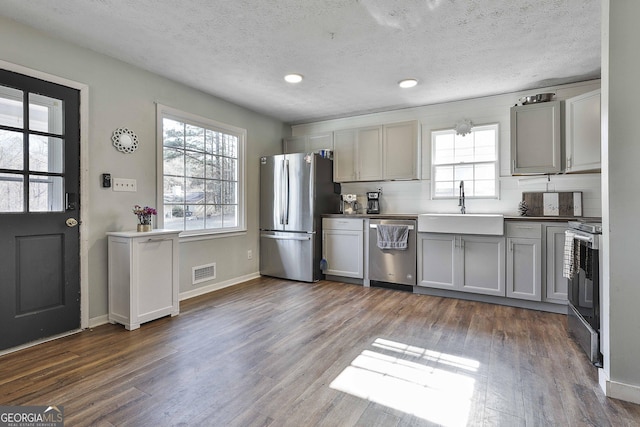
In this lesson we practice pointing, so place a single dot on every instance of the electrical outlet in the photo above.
(122, 184)
(249, 254)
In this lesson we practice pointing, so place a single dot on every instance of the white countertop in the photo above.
(134, 233)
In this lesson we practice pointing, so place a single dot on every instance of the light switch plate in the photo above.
(124, 184)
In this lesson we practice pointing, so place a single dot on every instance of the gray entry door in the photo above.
(39, 209)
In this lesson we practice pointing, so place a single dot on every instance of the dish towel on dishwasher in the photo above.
(393, 236)
(569, 264)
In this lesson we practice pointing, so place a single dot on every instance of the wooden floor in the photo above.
(279, 353)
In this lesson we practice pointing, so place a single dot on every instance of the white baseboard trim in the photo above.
(617, 390)
(216, 286)
(97, 321)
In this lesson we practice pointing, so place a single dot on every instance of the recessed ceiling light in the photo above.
(293, 78)
(406, 83)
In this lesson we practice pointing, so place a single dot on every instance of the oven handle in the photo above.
(592, 240)
(583, 238)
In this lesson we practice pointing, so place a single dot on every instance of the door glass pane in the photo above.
(45, 114)
(11, 107)
(45, 154)
(11, 189)
(11, 153)
(46, 193)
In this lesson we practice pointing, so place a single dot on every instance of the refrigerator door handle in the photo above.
(281, 193)
(287, 183)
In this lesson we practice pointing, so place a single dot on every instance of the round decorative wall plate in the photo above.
(463, 127)
(125, 140)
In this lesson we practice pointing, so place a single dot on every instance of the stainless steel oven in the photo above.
(582, 267)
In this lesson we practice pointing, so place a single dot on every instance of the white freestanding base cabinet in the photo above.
(143, 276)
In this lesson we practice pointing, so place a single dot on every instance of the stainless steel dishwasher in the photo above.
(397, 266)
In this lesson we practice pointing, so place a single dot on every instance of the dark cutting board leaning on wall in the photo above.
(553, 203)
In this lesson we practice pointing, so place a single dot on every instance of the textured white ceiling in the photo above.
(351, 52)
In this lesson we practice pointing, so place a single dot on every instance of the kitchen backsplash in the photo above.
(415, 196)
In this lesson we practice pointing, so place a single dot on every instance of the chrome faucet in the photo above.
(461, 198)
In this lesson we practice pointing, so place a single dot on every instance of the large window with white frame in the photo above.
(201, 163)
(472, 158)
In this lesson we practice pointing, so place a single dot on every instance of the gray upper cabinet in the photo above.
(307, 143)
(401, 144)
(358, 154)
(582, 127)
(377, 153)
(536, 138)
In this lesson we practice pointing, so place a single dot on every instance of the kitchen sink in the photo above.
(492, 224)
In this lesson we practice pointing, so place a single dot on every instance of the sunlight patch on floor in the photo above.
(428, 384)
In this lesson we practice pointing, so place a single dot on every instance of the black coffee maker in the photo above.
(373, 202)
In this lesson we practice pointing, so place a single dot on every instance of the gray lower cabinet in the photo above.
(529, 268)
(524, 279)
(524, 260)
(466, 263)
(437, 260)
(555, 284)
(343, 246)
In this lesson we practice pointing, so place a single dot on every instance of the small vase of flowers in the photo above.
(144, 217)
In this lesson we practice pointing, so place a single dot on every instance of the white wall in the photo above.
(415, 196)
(121, 95)
(621, 204)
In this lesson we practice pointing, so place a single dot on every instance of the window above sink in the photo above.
(472, 158)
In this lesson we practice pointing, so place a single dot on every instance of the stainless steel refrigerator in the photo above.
(295, 189)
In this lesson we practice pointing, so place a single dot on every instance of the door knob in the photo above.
(71, 222)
